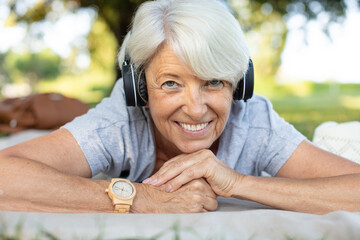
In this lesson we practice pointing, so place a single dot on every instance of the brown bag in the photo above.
(39, 111)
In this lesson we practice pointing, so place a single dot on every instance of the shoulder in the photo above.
(110, 111)
(257, 112)
(258, 138)
(260, 121)
(111, 134)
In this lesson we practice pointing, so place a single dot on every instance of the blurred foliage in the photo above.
(309, 9)
(45, 71)
(307, 104)
(44, 65)
(96, 82)
(4, 71)
(263, 19)
(115, 14)
(266, 34)
(265, 25)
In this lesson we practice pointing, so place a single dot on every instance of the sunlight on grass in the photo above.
(351, 102)
(323, 102)
(299, 89)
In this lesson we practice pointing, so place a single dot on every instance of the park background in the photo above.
(304, 52)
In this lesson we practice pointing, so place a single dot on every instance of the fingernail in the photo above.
(153, 181)
(147, 180)
(168, 188)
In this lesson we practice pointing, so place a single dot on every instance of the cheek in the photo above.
(224, 112)
(160, 111)
(222, 107)
(224, 99)
(156, 109)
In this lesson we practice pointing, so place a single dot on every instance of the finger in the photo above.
(202, 194)
(210, 204)
(175, 166)
(186, 176)
(171, 169)
(198, 202)
(204, 210)
(153, 179)
(202, 186)
(208, 191)
(205, 187)
(209, 197)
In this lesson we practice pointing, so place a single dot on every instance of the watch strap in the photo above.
(122, 208)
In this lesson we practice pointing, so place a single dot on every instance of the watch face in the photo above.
(122, 189)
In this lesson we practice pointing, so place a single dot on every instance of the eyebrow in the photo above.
(168, 75)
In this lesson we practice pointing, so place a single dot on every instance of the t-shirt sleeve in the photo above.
(256, 139)
(100, 132)
(280, 143)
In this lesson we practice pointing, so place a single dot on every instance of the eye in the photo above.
(215, 83)
(170, 85)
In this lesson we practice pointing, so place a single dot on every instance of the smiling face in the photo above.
(189, 113)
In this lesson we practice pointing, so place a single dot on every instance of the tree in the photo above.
(43, 65)
(117, 14)
(253, 14)
(4, 72)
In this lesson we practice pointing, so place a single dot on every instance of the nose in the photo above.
(194, 103)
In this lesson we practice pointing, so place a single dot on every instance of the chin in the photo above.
(191, 148)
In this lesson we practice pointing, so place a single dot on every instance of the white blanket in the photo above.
(234, 219)
(340, 138)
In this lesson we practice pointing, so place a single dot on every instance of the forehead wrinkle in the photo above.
(168, 68)
(167, 64)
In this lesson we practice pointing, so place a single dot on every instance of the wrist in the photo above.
(241, 186)
(143, 201)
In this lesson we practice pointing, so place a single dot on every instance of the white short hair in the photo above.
(204, 35)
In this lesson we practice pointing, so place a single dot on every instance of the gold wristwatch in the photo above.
(122, 193)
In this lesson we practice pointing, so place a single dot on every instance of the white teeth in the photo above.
(196, 127)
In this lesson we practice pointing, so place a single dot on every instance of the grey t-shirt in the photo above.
(116, 138)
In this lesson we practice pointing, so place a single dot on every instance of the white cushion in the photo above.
(340, 138)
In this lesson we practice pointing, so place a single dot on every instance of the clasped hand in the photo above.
(195, 196)
(185, 168)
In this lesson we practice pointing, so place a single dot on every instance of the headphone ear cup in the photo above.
(129, 84)
(134, 88)
(143, 96)
(249, 85)
(245, 87)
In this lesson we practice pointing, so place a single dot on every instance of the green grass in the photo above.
(306, 107)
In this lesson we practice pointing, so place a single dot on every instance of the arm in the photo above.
(317, 195)
(45, 174)
(48, 174)
(312, 180)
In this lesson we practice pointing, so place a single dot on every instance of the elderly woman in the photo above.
(189, 138)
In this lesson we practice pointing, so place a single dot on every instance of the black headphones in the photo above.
(136, 91)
